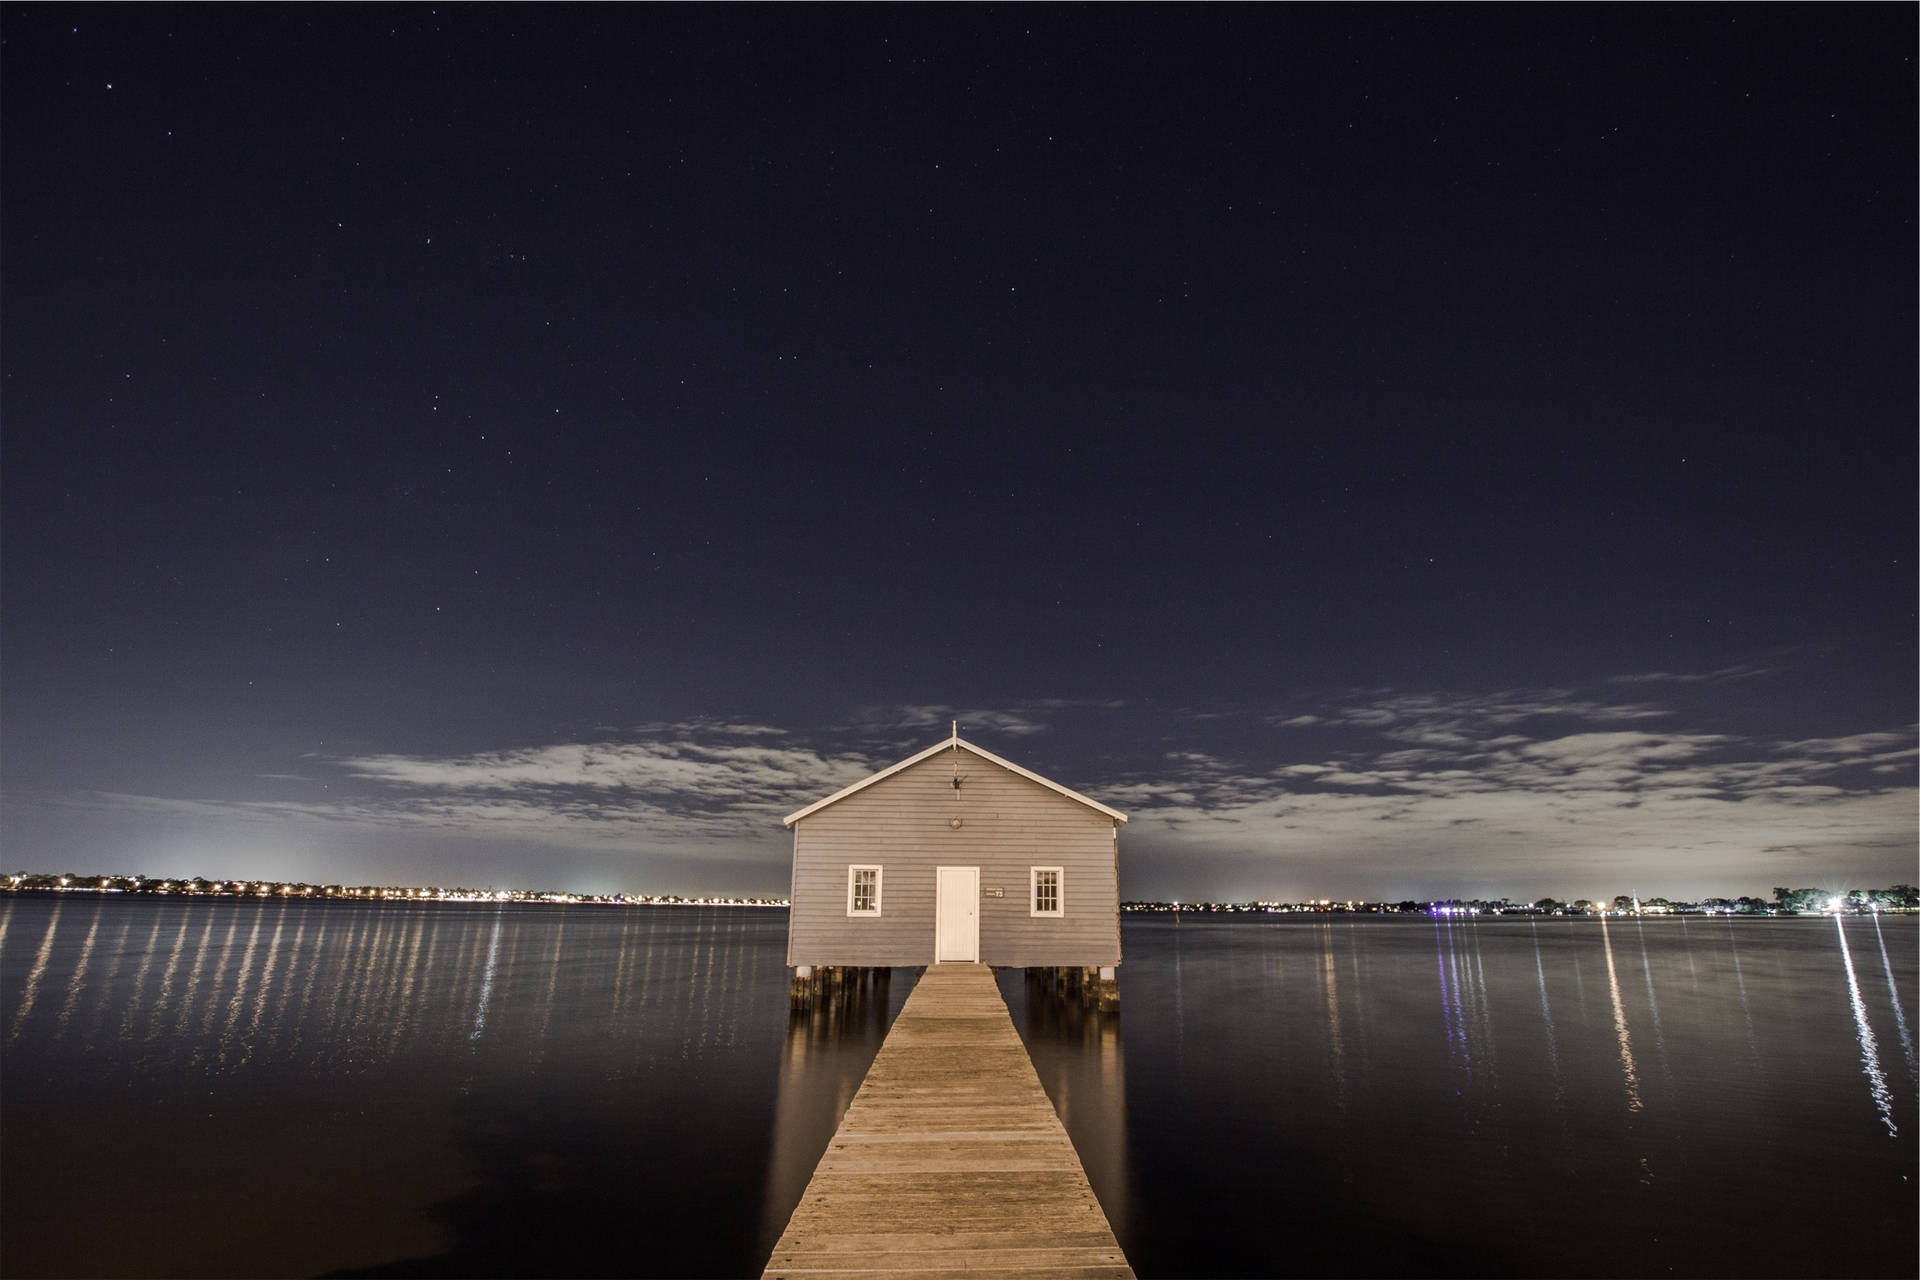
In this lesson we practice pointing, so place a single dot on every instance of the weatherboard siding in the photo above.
(1009, 825)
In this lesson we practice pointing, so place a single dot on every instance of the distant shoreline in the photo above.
(1223, 912)
(268, 891)
(1455, 910)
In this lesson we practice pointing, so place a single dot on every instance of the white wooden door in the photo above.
(956, 927)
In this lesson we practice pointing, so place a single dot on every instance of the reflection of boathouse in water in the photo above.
(955, 855)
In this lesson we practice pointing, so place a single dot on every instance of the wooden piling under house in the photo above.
(955, 855)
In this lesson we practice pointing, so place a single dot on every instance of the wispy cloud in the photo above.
(685, 767)
(1374, 791)
(1871, 748)
(1723, 675)
(728, 728)
(693, 785)
(1017, 720)
(686, 784)
(1480, 784)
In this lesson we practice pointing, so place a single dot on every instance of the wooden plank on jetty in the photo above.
(950, 1160)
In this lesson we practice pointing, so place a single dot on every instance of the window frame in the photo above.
(853, 881)
(1059, 892)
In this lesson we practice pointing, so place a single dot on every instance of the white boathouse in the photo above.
(955, 855)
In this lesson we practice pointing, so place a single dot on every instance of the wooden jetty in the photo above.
(950, 1160)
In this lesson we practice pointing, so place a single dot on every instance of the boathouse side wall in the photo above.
(903, 823)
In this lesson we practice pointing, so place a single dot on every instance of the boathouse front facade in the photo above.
(955, 854)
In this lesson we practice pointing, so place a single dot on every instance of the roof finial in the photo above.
(956, 731)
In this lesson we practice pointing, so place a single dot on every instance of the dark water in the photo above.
(245, 1088)
(1678, 1096)
(264, 1088)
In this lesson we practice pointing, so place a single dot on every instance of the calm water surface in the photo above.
(264, 1088)
(1394, 1096)
(215, 1087)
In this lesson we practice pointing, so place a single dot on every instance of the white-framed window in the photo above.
(863, 891)
(1047, 896)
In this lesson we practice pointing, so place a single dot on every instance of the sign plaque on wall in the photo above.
(993, 891)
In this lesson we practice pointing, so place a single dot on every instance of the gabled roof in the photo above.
(956, 742)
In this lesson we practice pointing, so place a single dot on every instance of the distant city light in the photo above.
(25, 881)
(1903, 898)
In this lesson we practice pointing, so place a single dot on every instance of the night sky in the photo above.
(1386, 451)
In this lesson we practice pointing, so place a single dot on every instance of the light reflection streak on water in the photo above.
(729, 957)
(1179, 1002)
(370, 968)
(1465, 1014)
(298, 978)
(362, 961)
(1740, 982)
(140, 978)
(1579, 984)
(79, 974)
(1330, 993)
(1456, 995)
(706, 968)
(31, 991)
(358, 965)
(406, 943)
(6, 919)
(553, 982)
(734, 970)
(116, 957)
(677, 967)
(446, 939)
(364, 995)
(518, 939)
(161, 1001)
(1653, 1002)
(486, 982)
(1357, 997)
(1483, 1009)
(238, 1003)
(1686, 945)
(343, 972)
(371, 973)
(387, 989)
(1448, 1004)
(622, 967)
(1653, 1007)
(266, 977)
(1113, 1088)
(706, 985)
(709, 971)
(1546, 1014)
(417, 932)
(1893, 998)
(468, 968)
(648, 959)
(681, 966)
(434, 931)
(383, 994)
(1628, 1075)
(377, 970)
(1273, 971)
(199, 966)
(1869, 1048)
(458, 961)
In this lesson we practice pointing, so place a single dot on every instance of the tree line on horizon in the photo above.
(1785, 901)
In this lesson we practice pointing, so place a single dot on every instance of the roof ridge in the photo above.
(955, 742)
